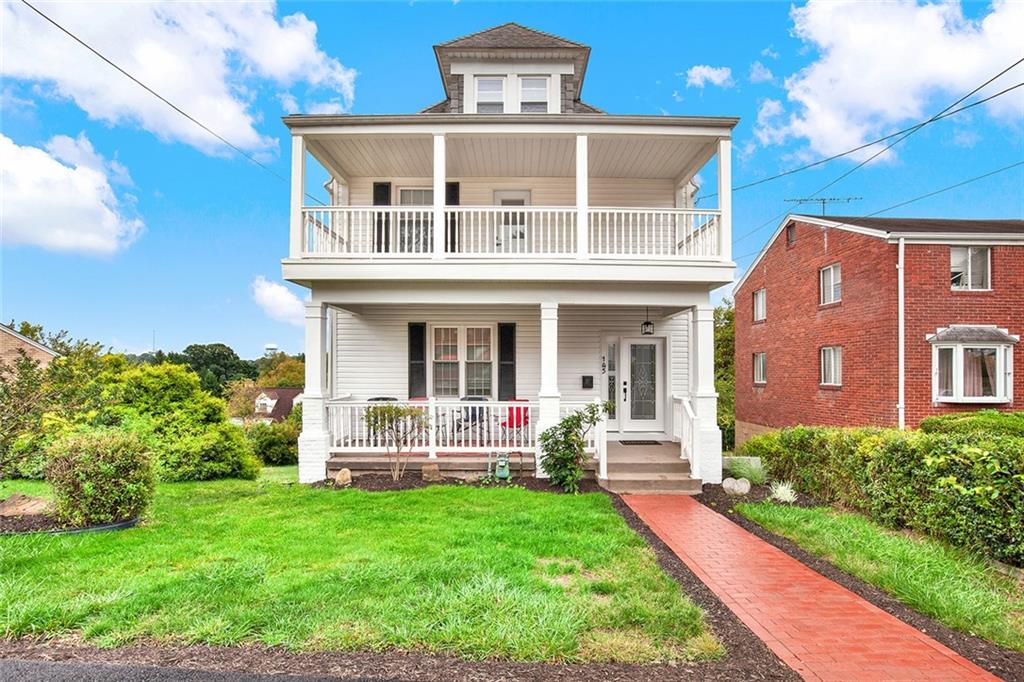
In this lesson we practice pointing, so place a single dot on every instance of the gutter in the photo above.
(726, 123)
(901, 336)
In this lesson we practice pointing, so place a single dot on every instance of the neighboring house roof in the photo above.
(942, 230)
(972, 333)
(4, 329)
(284, 400)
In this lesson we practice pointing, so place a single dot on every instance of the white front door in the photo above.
(641, 385)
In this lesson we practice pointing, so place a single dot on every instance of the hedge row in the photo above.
(983, 421)
(966, 488)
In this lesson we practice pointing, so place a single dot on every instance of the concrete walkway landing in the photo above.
(820, 629)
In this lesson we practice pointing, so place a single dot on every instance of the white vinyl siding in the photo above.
(831, 284)
(760, 305)
(970, 267)
(372, 348)
(832, 366)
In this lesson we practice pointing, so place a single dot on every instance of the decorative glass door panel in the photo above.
(641, 385)
(643, 376)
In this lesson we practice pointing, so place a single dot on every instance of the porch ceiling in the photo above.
(676, 157)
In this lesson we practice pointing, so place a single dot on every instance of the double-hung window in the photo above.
(463, 362)
(831, 284)
(832, 366)
(490, 95)
(760, 368)
(760, 304)
(969, 267)
(533, 94)
(972, 373)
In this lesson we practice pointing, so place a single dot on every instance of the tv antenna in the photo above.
(824, 201)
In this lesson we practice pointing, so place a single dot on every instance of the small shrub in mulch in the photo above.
(413, 480)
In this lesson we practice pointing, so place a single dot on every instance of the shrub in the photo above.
(983, 421)
(967, 489)
(563, 446)
(398, 426)
(782, 491)
(275, 444)
(750, 469)
(100, 476)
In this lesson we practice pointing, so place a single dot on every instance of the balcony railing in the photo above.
(503, 232)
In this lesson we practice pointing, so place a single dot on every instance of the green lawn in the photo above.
(475, 572)
(945, 583)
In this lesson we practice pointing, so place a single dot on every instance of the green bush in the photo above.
(750, 469)
(563, 446)
(983, 421)
(967, 489)
(100, 476)
(275, 444)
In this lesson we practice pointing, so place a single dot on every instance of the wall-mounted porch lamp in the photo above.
(647, 327)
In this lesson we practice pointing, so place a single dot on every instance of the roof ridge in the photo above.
(517, 25)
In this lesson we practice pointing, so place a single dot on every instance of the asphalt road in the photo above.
(45, 671)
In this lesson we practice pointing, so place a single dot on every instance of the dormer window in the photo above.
(533, 95)
(490, 95)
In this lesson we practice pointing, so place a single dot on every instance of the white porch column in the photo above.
(548, 396)
(707, 460)
(298, 192)
(582, 198)
(314, 441)
(725, 198)
(440, 169)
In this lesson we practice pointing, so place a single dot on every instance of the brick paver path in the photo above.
(817, 627)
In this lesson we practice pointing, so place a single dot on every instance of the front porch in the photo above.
(492, 378)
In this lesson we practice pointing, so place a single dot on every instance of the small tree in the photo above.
(563, 446)
(241, 395)
(398, 426)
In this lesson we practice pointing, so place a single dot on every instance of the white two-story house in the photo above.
(506, 256)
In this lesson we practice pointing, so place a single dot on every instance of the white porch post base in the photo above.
(314, 449)
(315, 439)
(707, 461)
(548, 409)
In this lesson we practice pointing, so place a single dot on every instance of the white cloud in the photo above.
(210, 59)
(700, 75)
(278, 302)
(770, 53)
(676, 96)
(766, 129)
(78, 151)
(883, 65)
(759, 73)
(61, 199)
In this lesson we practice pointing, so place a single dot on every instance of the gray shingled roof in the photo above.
(511, 35)
(933, 225)
(972, 334)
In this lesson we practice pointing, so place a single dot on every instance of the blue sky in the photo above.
(120, 219)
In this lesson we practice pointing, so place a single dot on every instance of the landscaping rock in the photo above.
(22, 505)
(343, 478)
(431, 472)
(736, 486)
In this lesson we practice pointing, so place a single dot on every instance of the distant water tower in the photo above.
(270, 349)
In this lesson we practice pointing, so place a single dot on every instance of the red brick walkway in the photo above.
(818, 628)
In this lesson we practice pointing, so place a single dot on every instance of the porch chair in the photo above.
(472, 418)
(516, 423)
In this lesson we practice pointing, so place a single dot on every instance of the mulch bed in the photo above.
(30, 523)
(998, 660)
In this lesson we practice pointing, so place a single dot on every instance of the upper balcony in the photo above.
(451, 196)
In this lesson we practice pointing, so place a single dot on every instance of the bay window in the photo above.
(463, 362)
(972, 373)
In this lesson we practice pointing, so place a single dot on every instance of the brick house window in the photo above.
(970, 267)
(790, 235)
(832, 366)
(831, 279)
(760, 304)
(760, 368)
(968, 373)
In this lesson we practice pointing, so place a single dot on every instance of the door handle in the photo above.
(624, 389)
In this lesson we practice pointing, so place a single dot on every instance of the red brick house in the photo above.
(13, 344)
(879, 321)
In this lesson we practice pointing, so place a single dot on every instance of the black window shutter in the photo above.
(382, 197)
(451, 198)
(417, 359)
(506, 361)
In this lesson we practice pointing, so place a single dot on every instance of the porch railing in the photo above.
(451, 426)
(685, 429)
(504, 232)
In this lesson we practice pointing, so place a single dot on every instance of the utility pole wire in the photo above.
(840, 155)
(163, 99)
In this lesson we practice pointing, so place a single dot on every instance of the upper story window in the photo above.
(831, 284)
(533, 91)
(832, 366)
(760, 368)
(490, 95)
(760, 304)
(969, 267)
(790, 235)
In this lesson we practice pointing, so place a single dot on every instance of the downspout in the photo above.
(901, 335)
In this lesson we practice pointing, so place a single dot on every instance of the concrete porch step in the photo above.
(648, 466)
(652, 483)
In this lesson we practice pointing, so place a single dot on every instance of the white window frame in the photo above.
(837, 279)
(398, 195)
(1004, 373)
(831, 359)
(967, 274)
(462, 355)
(502, 100)
(761, 377)
(761, 305)
(547, 93)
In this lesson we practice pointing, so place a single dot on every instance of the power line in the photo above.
(163, 99)
(840, 155)
(889, 146)
(920, 197)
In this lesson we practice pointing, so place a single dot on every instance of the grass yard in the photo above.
(945, 583)
(480, 573)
